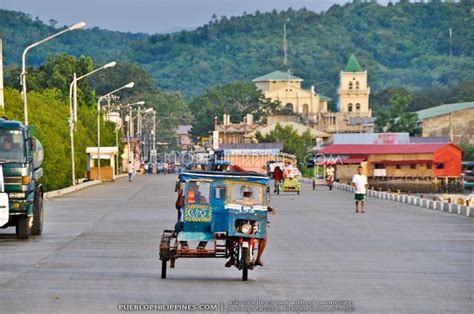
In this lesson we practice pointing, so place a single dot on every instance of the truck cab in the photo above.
(21, 192)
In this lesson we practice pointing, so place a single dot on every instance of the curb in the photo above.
(463, 210)
(70, 189)
(77, 187)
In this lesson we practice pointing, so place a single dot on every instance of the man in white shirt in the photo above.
(330, 176)
(359, 182)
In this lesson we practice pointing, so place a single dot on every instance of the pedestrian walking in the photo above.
(130, 171)
(359, 182)
(330, 176)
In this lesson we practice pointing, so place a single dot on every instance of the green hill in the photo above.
(401, 45)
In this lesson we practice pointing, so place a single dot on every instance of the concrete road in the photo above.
(99, 250)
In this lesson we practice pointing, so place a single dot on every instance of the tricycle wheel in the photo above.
(245, 266)
(163, 269)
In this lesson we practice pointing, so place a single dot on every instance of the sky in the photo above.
(152, 16)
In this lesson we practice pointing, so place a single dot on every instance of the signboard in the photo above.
(251, 151)
(372, 138)
(197, 213)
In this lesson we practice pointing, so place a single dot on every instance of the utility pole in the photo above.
(2, 100)
(154, 136)
(285, 61)
(285, 47)
(128, 133)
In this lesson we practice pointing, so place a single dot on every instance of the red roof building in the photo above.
(400, 160)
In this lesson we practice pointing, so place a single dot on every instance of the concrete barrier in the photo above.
(77, 187)
(467, 211)
(70, 189)
(429, 204)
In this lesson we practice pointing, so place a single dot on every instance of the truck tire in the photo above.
(38, 214)
(23, 227)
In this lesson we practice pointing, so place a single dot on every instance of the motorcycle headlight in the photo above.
(247, 228)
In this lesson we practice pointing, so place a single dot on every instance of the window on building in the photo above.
(358, 107)
(428, 166)
(349, 107)
(412, 166)
(350, 85)
(289, 108)
(440, 165)
(398, 166)
(305, 109)
(357, 85)
(379, 166)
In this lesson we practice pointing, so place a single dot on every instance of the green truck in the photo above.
(21, 191)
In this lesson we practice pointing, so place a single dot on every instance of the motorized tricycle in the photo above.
(226, 212)
(290, 182)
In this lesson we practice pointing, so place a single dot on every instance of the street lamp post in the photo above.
(148, 154)
(73, 112)
(23, 62)
(129, 85)
(128, 121)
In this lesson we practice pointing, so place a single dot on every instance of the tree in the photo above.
(236, 99)
(56, 73)
(397, 118)
(293, 143)
(400, 45)
(49, 113)
(468, 151)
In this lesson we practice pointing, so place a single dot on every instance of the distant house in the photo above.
(184, 140)
(431, 163)
(455, 121)
(235, 133)
(318, 137)
(252, 157)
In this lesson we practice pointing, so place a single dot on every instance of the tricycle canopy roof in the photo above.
(247, 176)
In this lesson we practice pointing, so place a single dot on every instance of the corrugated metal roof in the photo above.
(277, 76)
(355, 159)
(352, 149)
(443, 109)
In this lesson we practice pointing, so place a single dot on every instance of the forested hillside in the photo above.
(402, 45)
